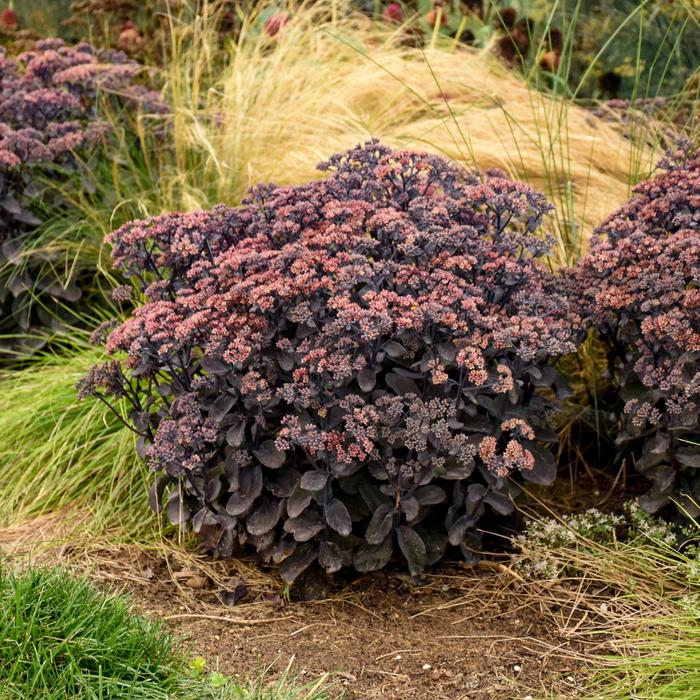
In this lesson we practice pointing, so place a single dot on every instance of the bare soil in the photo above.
(450, 637)
(455, 634)
(458, 633)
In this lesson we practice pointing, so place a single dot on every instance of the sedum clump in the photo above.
(640, 287)
(346, 369)
(50, 105)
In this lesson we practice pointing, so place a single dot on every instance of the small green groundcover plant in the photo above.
(342, 370)
(61, 638)
(544, 543)
(640, 289)
(639, 576)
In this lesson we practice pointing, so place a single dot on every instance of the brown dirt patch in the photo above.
(450, 636)
(456, 634)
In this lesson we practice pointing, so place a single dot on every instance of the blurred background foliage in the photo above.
(591, 49)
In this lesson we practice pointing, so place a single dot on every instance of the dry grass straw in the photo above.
(158, 568)
(629, 611)
(271, 108)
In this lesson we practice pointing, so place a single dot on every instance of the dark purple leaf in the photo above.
(373, 557)
(413, 549)
(213, 489)
(459, 530)
(447, 351)
(269, 455)
(691, 458)
(653, 501)
(235, 434)
(457, 471)
(155, 493)
(298, 562)
(298, 502)
(304, 527)
(230, 597)
(178, 512)
(250, 487)
(499, 502)
(199, 518)
(263, 518)
(367, 379)
(284, 548)
(314, 480)
(435, 545)
(401, 385)
(545, 470)
(380, 525)
(214, 365)
(26, 217)
(337, 517)
(330, 557)
(430, 495)
(221, 407)
(10, 204)
(286, 361)
(394, 350)
(411, 507)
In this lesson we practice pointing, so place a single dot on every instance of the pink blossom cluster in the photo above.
(361, 339)
(50, 102)
(640, 287)
(49, 96)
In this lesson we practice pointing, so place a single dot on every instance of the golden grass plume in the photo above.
(270, 108)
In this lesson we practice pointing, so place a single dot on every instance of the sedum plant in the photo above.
(345, 369)
(50, 101)
(640, 289)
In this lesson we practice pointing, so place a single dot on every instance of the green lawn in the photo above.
(62, 638)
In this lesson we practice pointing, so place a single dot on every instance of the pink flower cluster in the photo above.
(48, 99)
(361, 339)
(50, 102)
(641, 289)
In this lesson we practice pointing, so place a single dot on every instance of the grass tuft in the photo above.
(61, 638)
(632, 605)
(264, 109)
(57, 452)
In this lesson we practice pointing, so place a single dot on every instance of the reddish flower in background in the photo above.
(130, 38)
(9, 19)
(275, 23)
(393, 12)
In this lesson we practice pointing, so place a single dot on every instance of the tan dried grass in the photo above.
(270, 109)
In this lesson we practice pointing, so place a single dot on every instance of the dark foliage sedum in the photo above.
(336, 370)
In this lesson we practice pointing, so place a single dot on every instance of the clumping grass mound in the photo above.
(630, 579)
(237, 123)
(61, 638)
(57, 453)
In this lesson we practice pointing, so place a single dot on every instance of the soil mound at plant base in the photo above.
(461, 632)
